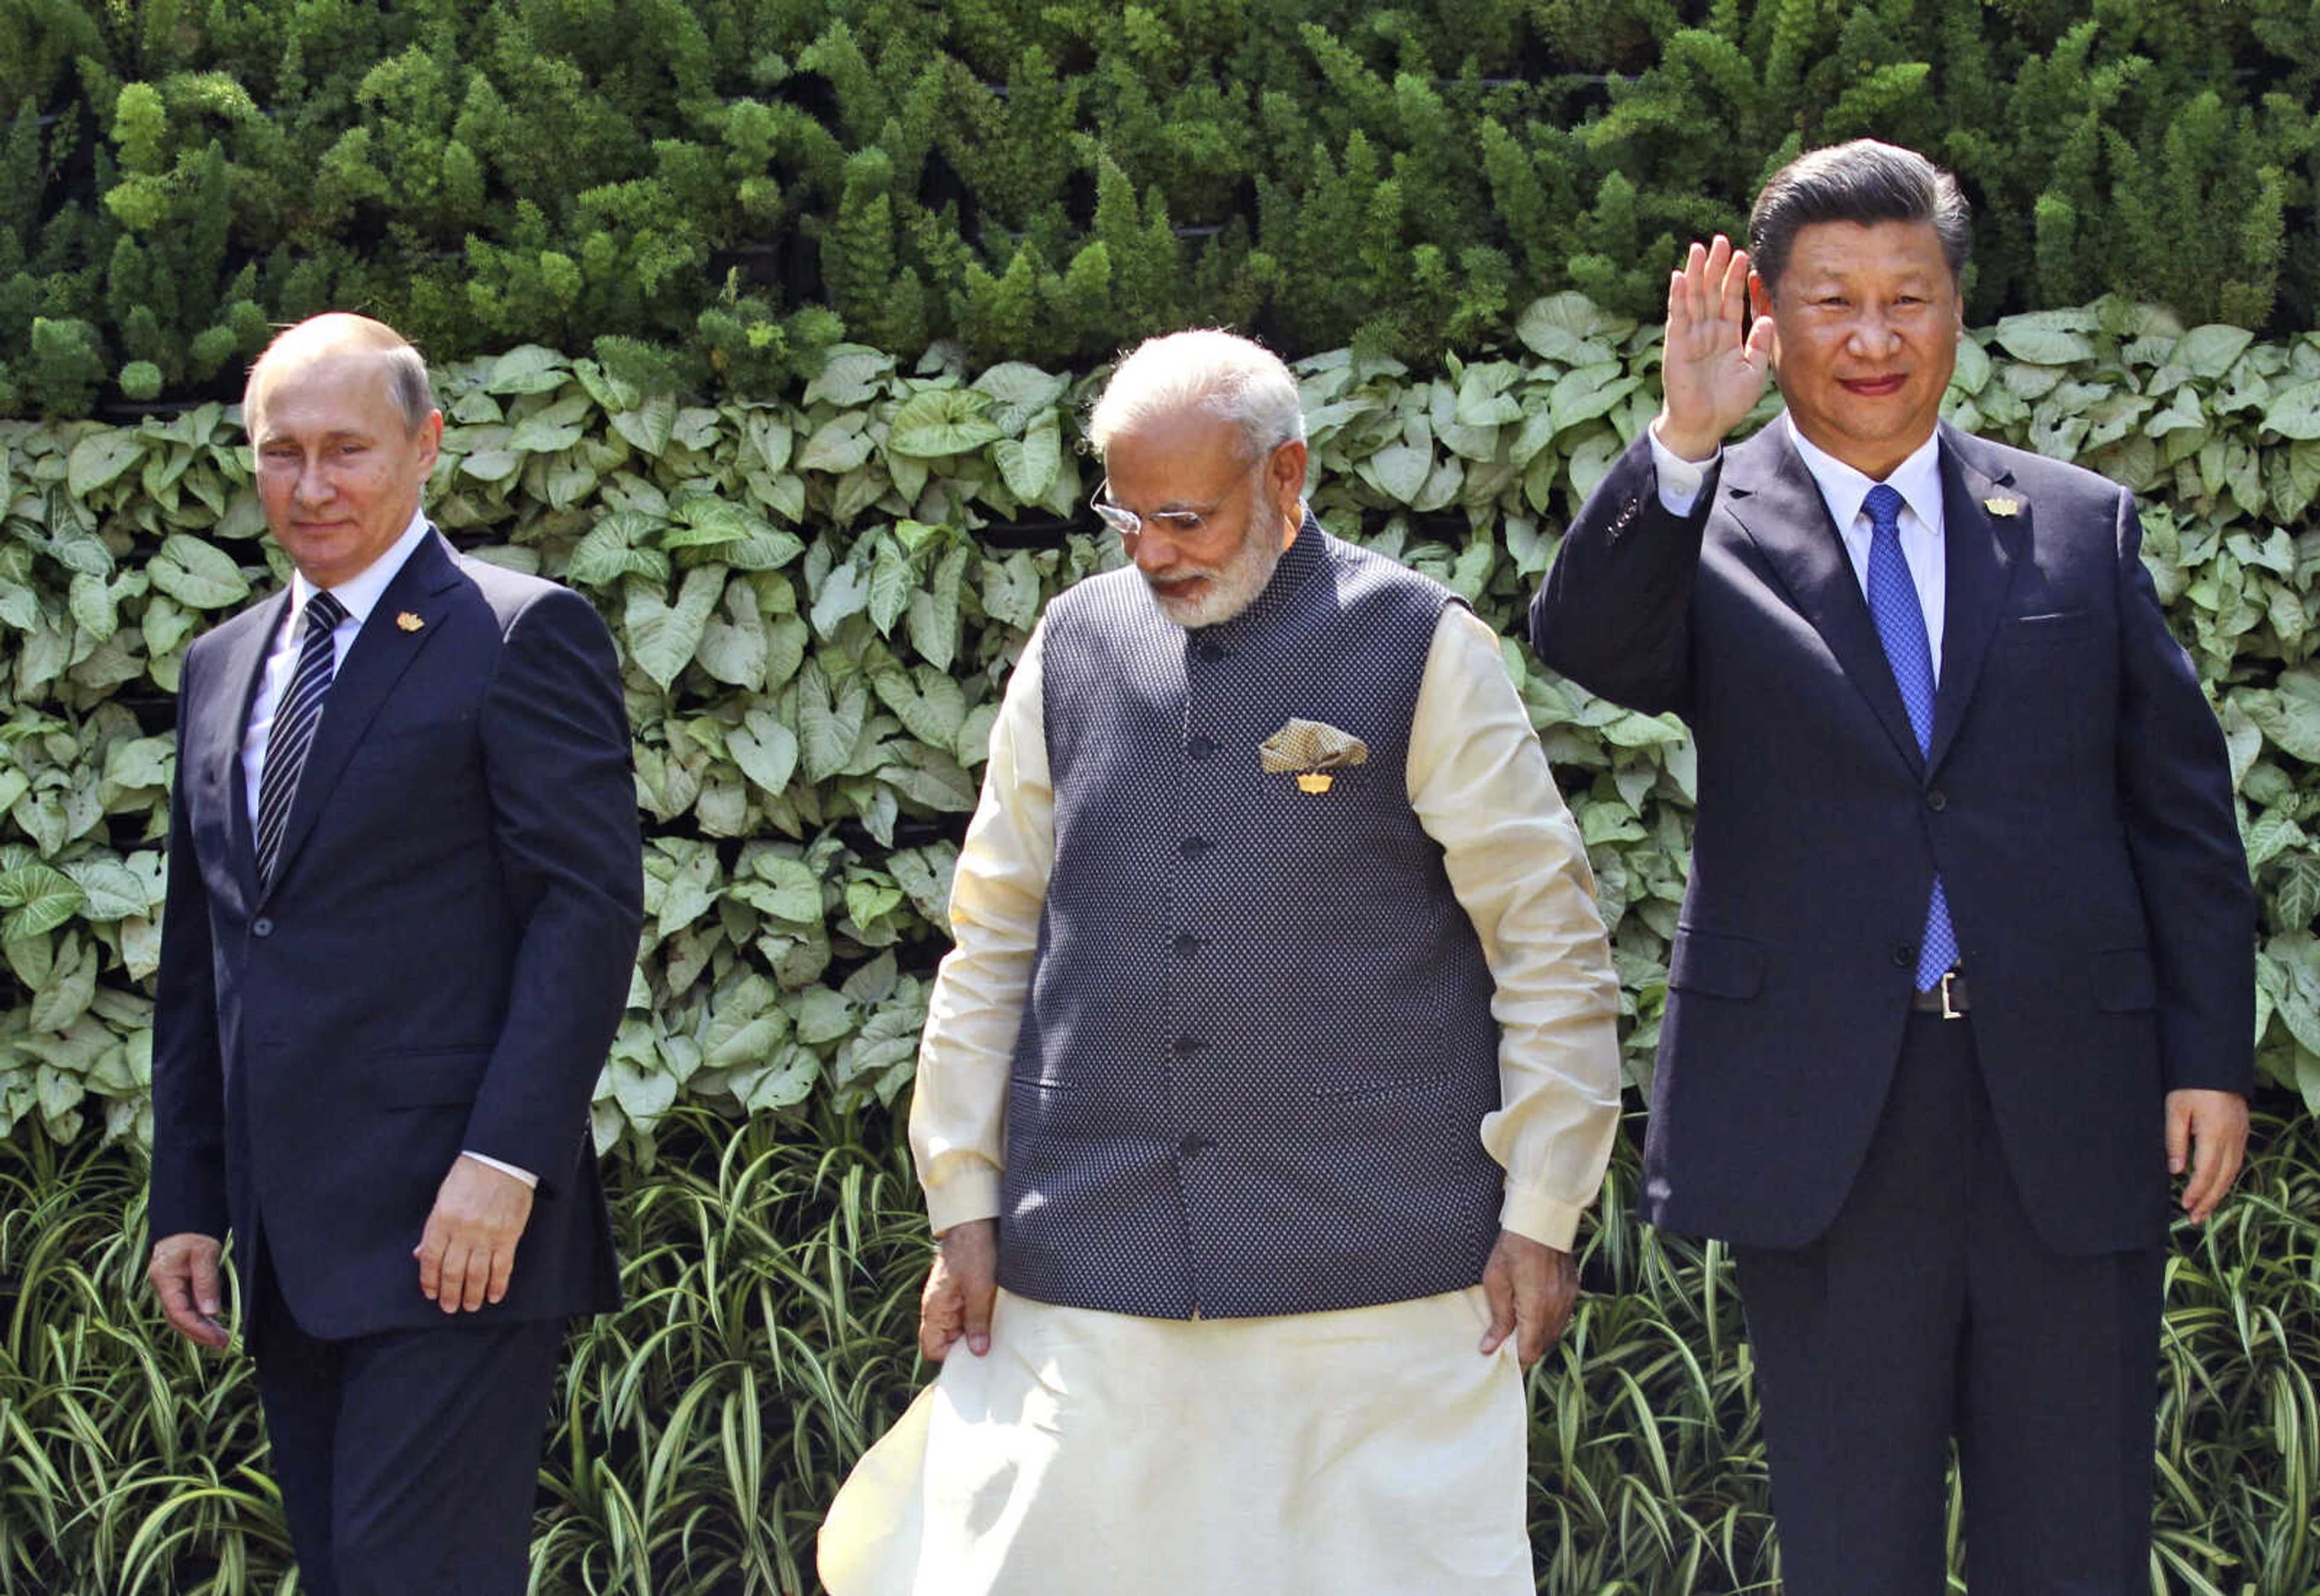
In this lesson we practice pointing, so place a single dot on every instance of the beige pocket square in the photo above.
(1309, 745)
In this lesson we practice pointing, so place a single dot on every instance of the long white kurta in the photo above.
(1369, 1452)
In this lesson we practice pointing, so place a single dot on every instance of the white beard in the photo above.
(1231, 586)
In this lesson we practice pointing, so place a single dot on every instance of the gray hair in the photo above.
(1220, 374)
(406, 369)
(1865, 181)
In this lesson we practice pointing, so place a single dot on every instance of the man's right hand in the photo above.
(960, 1288)
(1711, 373)
(184, 1271)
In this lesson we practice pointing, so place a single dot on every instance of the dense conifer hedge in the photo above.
(723, 187)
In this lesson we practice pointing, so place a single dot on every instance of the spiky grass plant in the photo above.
(772, 1272)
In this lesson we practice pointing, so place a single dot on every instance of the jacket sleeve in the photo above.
(557, 763)
(188, 1179)
(1614, 613)
(2182, 833)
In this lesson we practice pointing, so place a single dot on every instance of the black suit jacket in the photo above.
(438, 966)
(2077, 802)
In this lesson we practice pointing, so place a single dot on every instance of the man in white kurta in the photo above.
(1237, 1315)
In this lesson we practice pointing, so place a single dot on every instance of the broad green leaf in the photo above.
(837, 447)
(1401, 470)
(662, 637)
(790, 890)
(765, 750)
(928, 702)
(38, 899)
(200, 575)
(528, 368)
(2295, 413)
(943, 421)
(830, 719)
(2210, 350)
(537, 435)
(703, 521)
(822, 1015)
(1010, 589)
(1029, 464)
(1570, 329)
(845, 592)
(1019, 394)
(100, 458)
(935, 612)
(890, 586)
(610, 552)
(492, 465)
(2044, 338)
(647, 427)
(850, 376)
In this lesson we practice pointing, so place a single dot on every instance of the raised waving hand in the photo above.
(1712, 371)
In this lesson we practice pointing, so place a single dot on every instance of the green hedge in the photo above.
(720, 188)
(817, 597)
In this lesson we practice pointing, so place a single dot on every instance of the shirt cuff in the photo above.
(1680, 479)
(967, 1196)
(1548, 1220)
(525, 1176)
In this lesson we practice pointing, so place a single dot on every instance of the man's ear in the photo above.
(1285, 482)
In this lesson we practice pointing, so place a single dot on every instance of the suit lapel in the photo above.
(1769, 492)
(243, 664)
(383, 650)
(1978, 554)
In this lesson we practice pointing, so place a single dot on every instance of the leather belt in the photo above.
(1948, 999)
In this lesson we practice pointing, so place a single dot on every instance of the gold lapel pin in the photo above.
(1314, 781)
(2002, 506)
(409, 621)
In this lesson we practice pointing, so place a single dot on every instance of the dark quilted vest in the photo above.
(1257, 1045)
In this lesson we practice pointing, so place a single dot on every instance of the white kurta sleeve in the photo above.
(1479, 781)
(958, 1110)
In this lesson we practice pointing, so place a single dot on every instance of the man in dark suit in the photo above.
(1965, 965)
(403, 897)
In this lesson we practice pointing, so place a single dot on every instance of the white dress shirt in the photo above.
(1479, 782)
(1918, 479)
(359, 595)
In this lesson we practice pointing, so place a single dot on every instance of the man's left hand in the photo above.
(2207, 1133)
(466, 1253)
(1531, 1289)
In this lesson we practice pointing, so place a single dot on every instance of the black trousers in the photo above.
(1931, 1310)
(408, 1461)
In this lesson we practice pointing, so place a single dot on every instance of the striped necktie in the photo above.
(294, 720)
(1901, 627)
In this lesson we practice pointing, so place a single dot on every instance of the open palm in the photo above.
(1712, 371)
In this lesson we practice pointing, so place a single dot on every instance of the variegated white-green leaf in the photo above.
(934, 611)
(1028, 465)
(38, 900)
(830, 718)
(662, 637)
(528, 368)
(100, 458)
(943, 421)
(200, 575)
(765, 750)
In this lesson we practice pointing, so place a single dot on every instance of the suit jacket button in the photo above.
(1210, 653)
(1200, 747)
(1187, 945)
(1194, 1145)
(261, 927)
(1193, 847)
(1937, 800)
(1905, 954)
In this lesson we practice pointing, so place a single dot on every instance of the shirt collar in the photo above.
(1918, 479)
(360, 594)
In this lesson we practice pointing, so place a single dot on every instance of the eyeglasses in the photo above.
(1180, 526)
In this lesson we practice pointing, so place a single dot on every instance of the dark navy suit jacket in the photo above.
(438, 966)
(2077, 802)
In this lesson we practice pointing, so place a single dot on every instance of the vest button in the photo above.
(261, 927)
(1209, 653)
(1193, 847)
(1185, 1047)
(1200, 747)
(1195, 1144)
(1187, 945)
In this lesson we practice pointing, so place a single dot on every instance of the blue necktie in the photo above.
(293, 734)
(1901, 627)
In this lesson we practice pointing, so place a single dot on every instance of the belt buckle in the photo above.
(1948, 1011)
